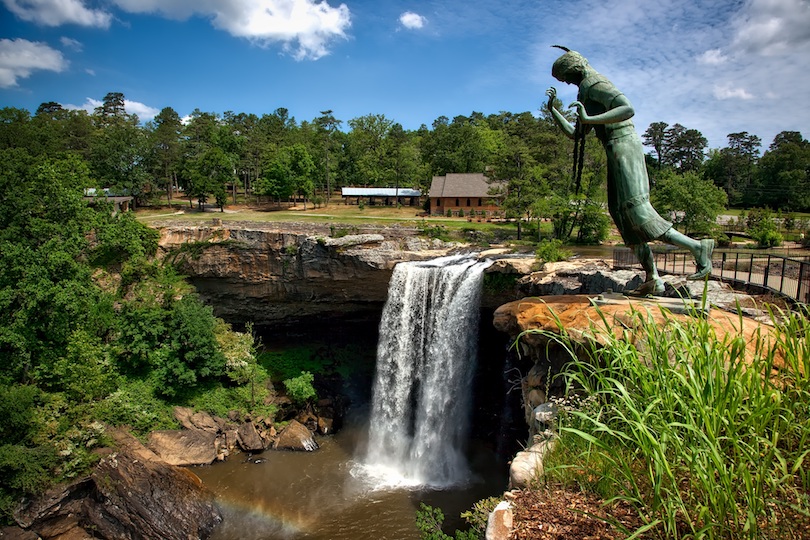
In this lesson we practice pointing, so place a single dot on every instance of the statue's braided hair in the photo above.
(579, 155)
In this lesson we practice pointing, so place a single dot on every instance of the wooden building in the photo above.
(459, 194)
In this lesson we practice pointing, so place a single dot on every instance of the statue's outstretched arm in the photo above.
(620, 109)
(560, 120)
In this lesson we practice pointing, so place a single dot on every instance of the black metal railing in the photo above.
(783, 275)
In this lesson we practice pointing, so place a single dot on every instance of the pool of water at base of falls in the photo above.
(324, 495)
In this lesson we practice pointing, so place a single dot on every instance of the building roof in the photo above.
(460, 185)
(379, 192)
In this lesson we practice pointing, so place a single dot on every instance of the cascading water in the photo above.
(426, 357)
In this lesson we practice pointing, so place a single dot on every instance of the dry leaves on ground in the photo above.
(554, 513)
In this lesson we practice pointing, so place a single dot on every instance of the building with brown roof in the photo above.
(460, 193)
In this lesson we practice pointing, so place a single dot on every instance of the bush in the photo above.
(134, 404)
(766, 234)
(551, 251)
(594, 225)
(300, 389)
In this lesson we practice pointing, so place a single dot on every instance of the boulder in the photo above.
(499, 523)
(295, 436)
(16, 533)
(249, 439)
(132, 493)
(183, 415)
(325, 425)
(185, 446)
(197, 420)
(527, 466)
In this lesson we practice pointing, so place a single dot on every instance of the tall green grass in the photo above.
(706, 436)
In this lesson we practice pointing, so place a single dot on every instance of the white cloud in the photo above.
(727, 92)
(713, 57)
(144, 112)
(89, 105)
(306, 28)
(412, 21)
(19, 58)
(58, 12)
(773, 26)
(90, 72)
(71, 43)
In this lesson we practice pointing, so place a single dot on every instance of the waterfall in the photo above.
(426, 357)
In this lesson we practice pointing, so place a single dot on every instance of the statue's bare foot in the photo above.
(652, 287)
(703, 260)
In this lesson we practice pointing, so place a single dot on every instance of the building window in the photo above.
(438, 202)
(479, 202)
(468, 202)
(456, 202)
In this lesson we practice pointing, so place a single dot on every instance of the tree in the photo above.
(732, 168)
(209, 174)
(118, 149)
(327, 126)
(684, 148)
(782, 179)
(288, 171)
(112, 107)
(655, 136)
(691, 201)
(514, 177)
(165, 146)
(405, 159)
(369, 149)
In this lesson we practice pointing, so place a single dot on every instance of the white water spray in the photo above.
(426, 357)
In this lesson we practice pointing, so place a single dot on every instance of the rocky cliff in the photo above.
(265, 272)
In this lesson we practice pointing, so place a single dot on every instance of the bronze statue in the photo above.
(603, 108)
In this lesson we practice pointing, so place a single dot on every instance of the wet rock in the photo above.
(132, 493)
(185, 446)
(295, 436)
(325, 425)
(249, 439)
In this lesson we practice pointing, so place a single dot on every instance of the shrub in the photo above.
(551, 251)
(300, 389)
(766, 233)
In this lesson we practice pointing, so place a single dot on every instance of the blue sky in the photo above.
(719, 66)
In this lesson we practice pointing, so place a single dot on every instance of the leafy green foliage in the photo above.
(691, 202)
(300, 389)
(135, 404)
(763, 228)
(429, 522)
(91, 329)
(291, 361)
(552, 251)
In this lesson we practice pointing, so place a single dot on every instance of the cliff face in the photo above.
(267, 273)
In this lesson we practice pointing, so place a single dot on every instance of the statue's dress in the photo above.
(628, 186)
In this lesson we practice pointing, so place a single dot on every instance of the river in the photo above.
(322, 495)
